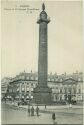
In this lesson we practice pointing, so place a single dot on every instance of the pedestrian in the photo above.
(32, 111)
(18, 104)
(45, 106)
(53, 117)
(70, 105)
(5, 100)
(37, 111)
(29, 110)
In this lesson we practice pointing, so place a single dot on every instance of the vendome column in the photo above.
(42, 93)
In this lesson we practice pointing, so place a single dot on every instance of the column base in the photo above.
(42, 95)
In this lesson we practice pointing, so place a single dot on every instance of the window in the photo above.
(60, 98)
(60, 80)
(31, 84)
(36, 78)
(69, 90)
(56, 97)
(17, 89)
(32, 78)
(31, 89)
(23, 88)
(79, 91)
(27, 77)
(27, 89)
(74, 90)
(48, 79)
(23, 77)
(27, 84)
(10, 90)
(65, 90)
(60, 90)
(52, 79)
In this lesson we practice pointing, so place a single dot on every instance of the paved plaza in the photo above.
(64, 115)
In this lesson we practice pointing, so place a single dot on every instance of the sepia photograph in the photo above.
(42, 62)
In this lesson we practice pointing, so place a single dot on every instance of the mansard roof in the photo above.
(69, 81)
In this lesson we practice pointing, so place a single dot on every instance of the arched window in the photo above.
(65, 89)
(74, 90)
(60, 90)
(79, 90)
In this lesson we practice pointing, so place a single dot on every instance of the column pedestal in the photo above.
(42, 95)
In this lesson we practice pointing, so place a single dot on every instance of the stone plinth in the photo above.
(42, 95)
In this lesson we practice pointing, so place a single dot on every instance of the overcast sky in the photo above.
(20, 35)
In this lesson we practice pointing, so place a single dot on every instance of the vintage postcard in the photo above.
(41, 62)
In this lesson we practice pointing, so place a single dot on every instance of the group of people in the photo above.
(31, 111)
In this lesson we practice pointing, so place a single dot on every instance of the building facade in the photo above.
(4, 86)
(21, 87)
